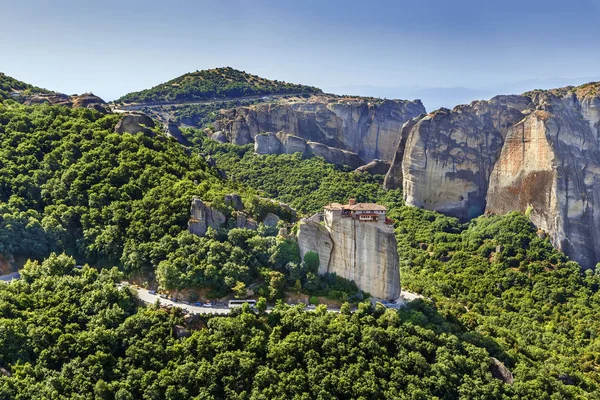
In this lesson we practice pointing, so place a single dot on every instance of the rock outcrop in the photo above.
(203, 216)
(449, 155)
(86, 100)
(171, 129)
(284, 143)
(538, 152)
(135, 122)
(375, 167)
(499, 371)
(363, 252)
(367, 127)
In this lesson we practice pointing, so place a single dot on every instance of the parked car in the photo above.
(174, 299)
(185, 302)
(198, 304)
(152, 292)
(207, 305)
(163, 296)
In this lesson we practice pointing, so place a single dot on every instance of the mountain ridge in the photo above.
(216, 83)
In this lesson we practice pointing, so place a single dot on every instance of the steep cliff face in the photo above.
(449, 155)
(550, 165)
(363, 252)
(538, 152)
(202, 217)
(285, 143)
(368, 127)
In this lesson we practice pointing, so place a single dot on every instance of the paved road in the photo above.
(137, 106)
(9, 277)
(149, 298)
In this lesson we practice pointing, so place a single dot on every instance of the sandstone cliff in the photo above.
(367, 127)
(538, 152)
(363, 252)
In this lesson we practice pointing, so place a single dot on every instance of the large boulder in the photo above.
(375, 167)
(135, 122)
(171, 129)
(271, 219)
(242, 220)
(499, 371)
(291, 144)
(267, 143)
(335, 155)
(234, 200)
(203, 216)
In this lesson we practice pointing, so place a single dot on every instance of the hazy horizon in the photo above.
(443, 53)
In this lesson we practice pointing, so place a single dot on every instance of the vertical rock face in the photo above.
(394, 176)
(312, 236)
(449, 155)
(539, 152)
(550, 165)
(202, 216)
(366, 127)
(363, 252)
(285, 143)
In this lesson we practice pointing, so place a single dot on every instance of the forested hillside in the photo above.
(215, 83)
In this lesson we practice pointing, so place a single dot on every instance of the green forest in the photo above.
(73, 192)
(216, 83)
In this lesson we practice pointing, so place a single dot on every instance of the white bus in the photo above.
(239, 303)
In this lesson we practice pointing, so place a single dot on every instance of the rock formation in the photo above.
(203, 216)
(360, 251)
(171, 129)
(135, 122)
(375, 167)
(367, 127)
(87, 100)
(284, 143)
(538, 152)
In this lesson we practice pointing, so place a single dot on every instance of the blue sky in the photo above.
(443, 51)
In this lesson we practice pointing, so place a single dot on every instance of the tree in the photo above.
(276, 284)
(311, 260)
(239, 290)
(261, 305)
(297, 286)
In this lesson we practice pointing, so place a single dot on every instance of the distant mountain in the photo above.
(216, 83)
(13, 88)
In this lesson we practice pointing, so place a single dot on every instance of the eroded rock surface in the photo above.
(368, 127)
(537, 152)
(135, 122)
(203, 216)
(375, 167)
(285, 143)
(363, 252)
